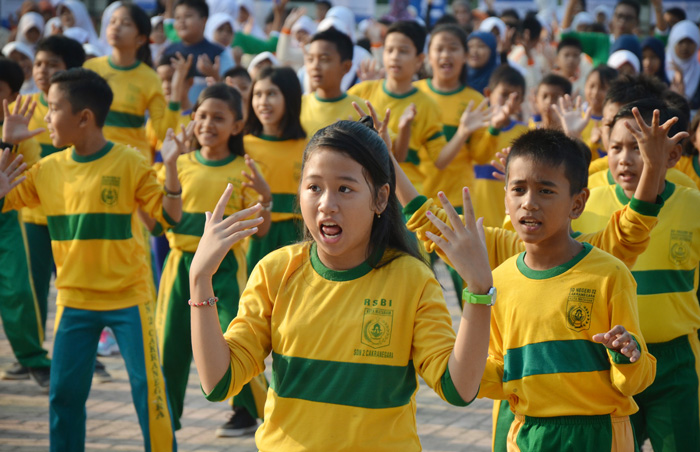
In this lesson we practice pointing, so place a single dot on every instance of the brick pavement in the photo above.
(112, 423)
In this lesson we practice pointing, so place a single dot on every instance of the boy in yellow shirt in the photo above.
(90, 192)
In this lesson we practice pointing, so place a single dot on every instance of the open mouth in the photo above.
(330, 230)
(530, 223)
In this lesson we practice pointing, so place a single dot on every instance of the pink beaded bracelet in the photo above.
(208, 302)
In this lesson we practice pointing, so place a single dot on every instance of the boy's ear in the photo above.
(674, 155)
(238, 126)
(86, 117)
(579, 203)
(346, 66)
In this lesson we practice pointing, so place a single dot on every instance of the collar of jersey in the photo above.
(42, 100)
(335, 99)
(262, 136)
(341, 275)
(624, 200)
(122, 68)
(696, 164)
(555, 271)
(206, 162)
(398, 96)
(444, 93)
(92, 157)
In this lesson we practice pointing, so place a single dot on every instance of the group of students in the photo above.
(579, 284)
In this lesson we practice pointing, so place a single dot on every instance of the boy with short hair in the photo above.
(666, 275)
(239, 78)
(327, 60)
(89, 193)
(21, 316)
(550, 89)
(573, 64)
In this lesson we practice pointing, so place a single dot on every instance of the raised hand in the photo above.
(10, 171)
(500, 164)
(474, 119)
(653, 140)
(293, 17)
(256, 181)
(409, 114)
(220, 234)
(174, 145)
(370, 70)
(500, 116)
(619, 340)
(206, 67)
(677, 82)
(15, 128)
(181, 67)
(382, 127)
(464, 243)
(571, 115)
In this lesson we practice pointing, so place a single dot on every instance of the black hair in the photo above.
(556, 80)
(238, 71)
(596, 28)
(646, 110)
(12, 74)
(164, 60)
(689, 148)
(198, 5)
(510, 12)
(585, 151)
(569, 42)
(412, 30)
(287, 81)
(633, 3)
(342, 42)
(328, 4)
(234, 101)
(445, 19)
(360, 142)
(67, 49)
(628, 88)
(606, 74)
(677, 12)
(143, 25)
(85, 89)
(680, 104)
(508, 75)
(553, 148)
(461, 35)
(532, 24)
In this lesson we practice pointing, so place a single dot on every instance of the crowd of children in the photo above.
(207, 186)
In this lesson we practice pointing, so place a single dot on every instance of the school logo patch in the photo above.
(579, 307)
(109, 192)
(679, 246)
(376, 327)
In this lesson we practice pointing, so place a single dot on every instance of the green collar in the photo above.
(122, 68)
(611, 180)
(225, 161)
(42, 100)
(624, 200)
(342, 275)
(444, 93)
(92, 157)
(410, 92)
(335, 99)
(696, 164)
(262, 136)
(555, 271)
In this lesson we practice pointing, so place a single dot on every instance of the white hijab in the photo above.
(346, 16)
(690, 68)
(229, 7)
(490, 23)
(620, 57)
(250, 7)
(214, 22)
(26, 22)
(106, 17)
(82, 19)
(53, 22)
(24, 49)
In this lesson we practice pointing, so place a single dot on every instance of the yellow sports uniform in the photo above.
(690, 166)
(317, 113)
(136, 90)
(605, 178)
(184, 117)
(598, 165)
(554, 376)
(375, 327)
(101, 279)
(427, 137)
(669, 314)
(279, 162)
(597, 150)
(488, 193)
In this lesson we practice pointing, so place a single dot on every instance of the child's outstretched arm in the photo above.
(210, 350)
(464, 244)
(257, 182)
(571, 115)
(470, 121)
(10, 172)
(173, 146)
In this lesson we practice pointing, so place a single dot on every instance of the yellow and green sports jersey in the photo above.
(317, 113)
(202, 183)
(667, 272)
(625, 235)
(89, 204)
(377, 328)
(427, 137)
(36, 215)
(279, 162)
(596, 147)
(598, 165)
(689, 165)
(488, 192)
(559, 370)
(477, 150)
(137, 90)
(30, 150)
(605, 178)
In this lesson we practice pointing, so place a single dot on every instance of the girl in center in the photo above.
(351, 315)
(203, 174)
(275, 140)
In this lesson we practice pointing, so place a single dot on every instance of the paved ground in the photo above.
(112, 423)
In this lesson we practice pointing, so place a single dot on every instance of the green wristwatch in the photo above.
(487, 299)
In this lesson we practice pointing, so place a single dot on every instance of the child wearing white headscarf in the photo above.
(27, 22)
(689, 67)
(624, 62)
(246, 12)
(290, 50)
(214, 23)
(22, 54)
(81, 19)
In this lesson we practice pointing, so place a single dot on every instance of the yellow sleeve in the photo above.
(600, 164)
(626, 235)
(23, 195)
(360, 90)
(149, 194)
(30, 150)
(629, 378)
(500, 244)
(491, 385)
(482, 146)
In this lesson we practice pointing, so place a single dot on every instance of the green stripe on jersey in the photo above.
(191, 224)
(90, 226)
(284, 203)
(449, 132)
(652, 282)
(350, 384)
(119, 119)
(412, 157)
(554, 357)
(48, 149)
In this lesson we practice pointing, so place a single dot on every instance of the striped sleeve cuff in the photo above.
(619, 358)
(450, 392)
(174, 106)
(647, 208)
(220, 390)
(494, 131)
(413, 206)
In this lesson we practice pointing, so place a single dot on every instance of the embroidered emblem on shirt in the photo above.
(679, 246)
(579, 306)
(109, 194)
(376, 327)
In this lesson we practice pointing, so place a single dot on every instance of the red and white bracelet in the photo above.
(208, 302)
